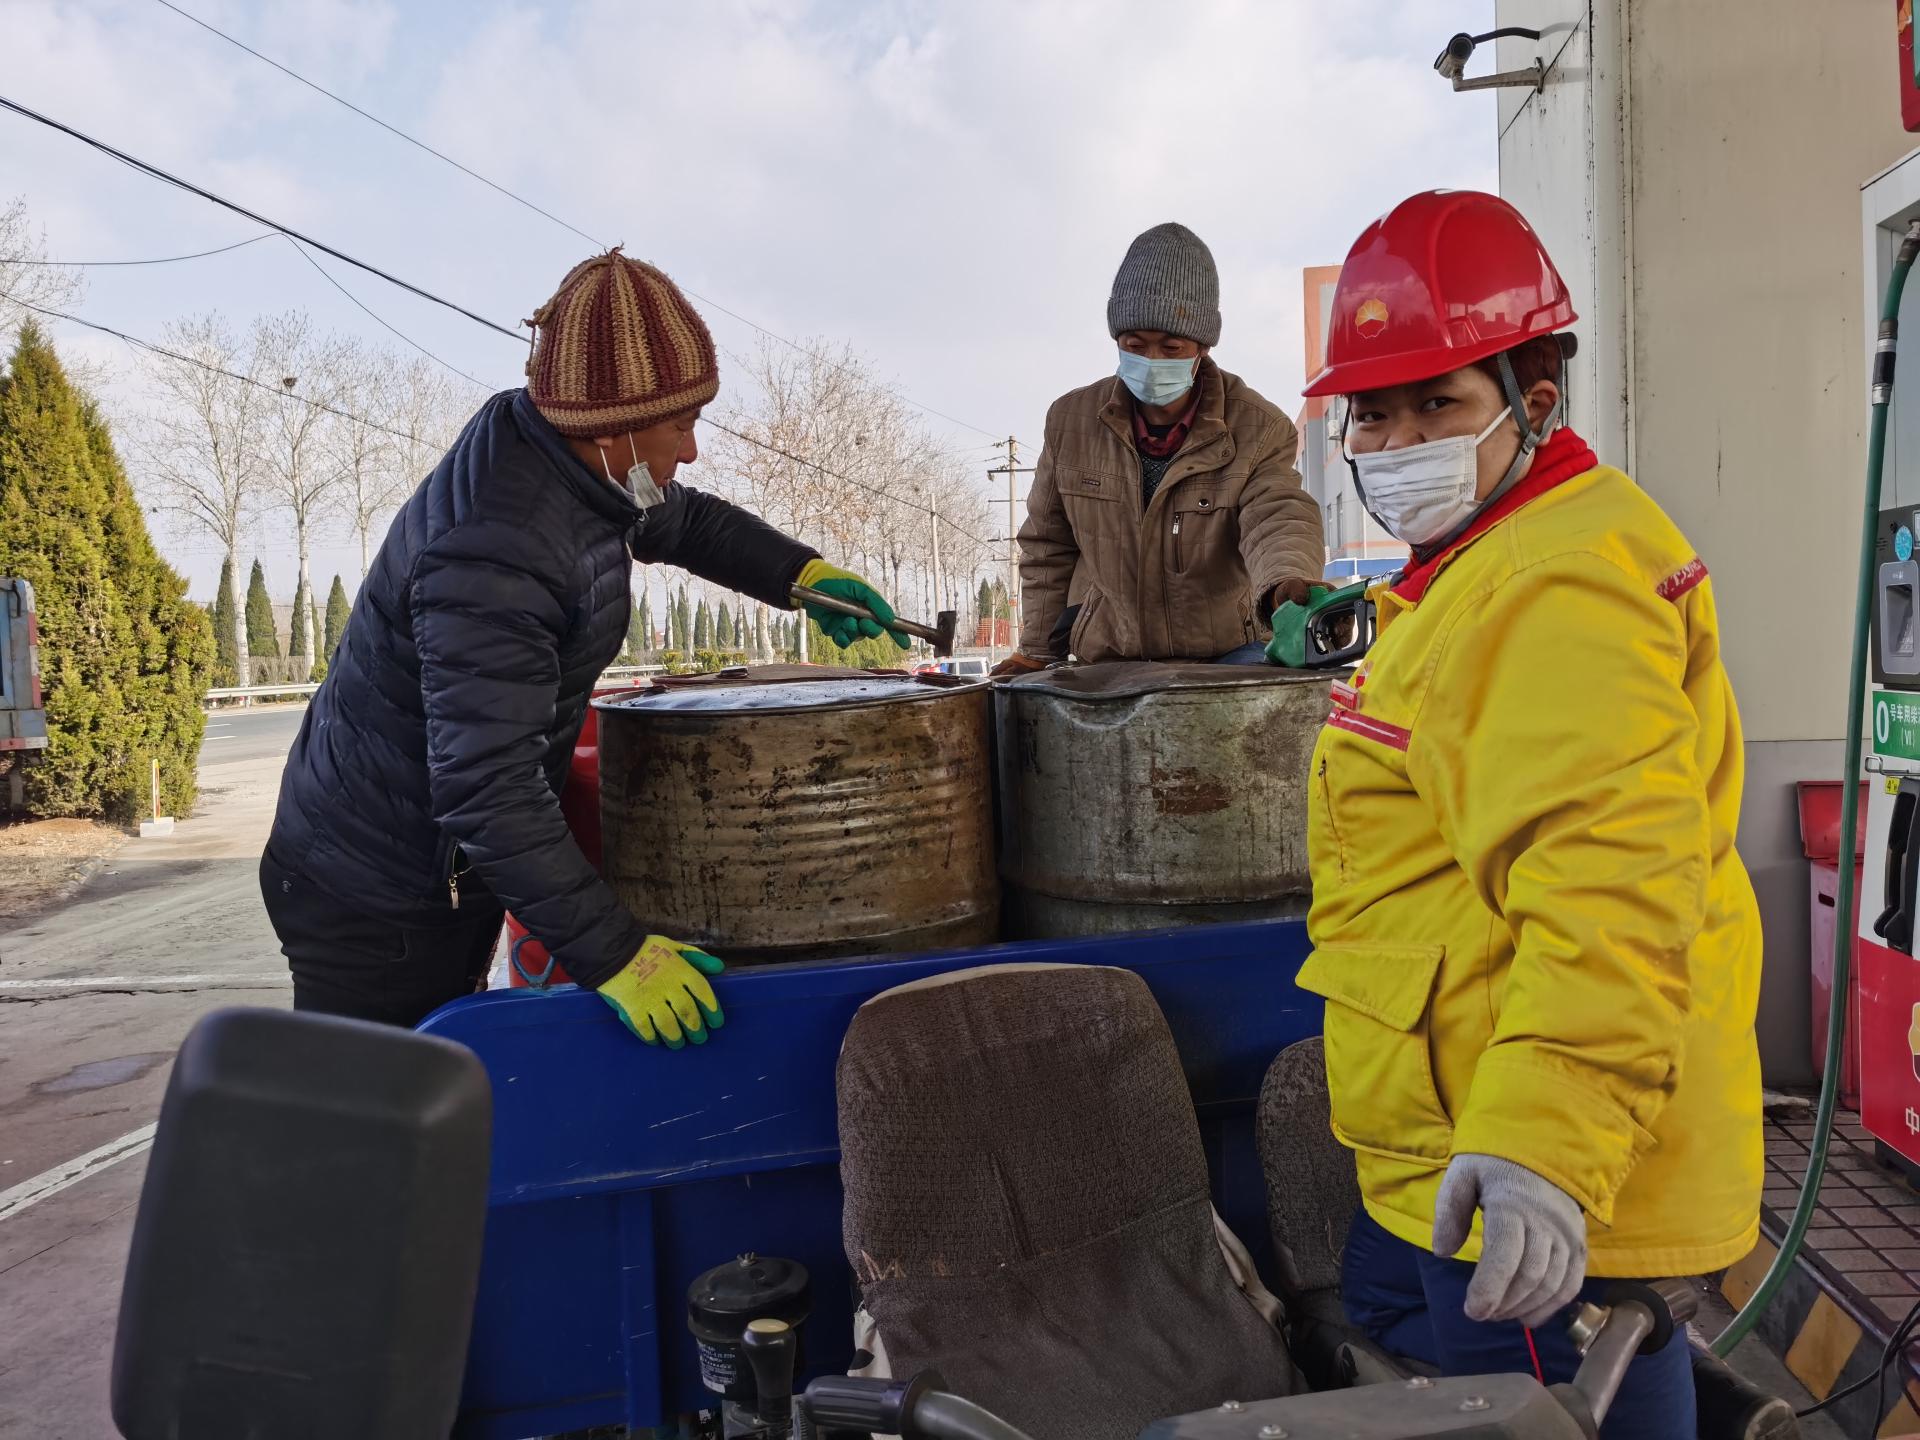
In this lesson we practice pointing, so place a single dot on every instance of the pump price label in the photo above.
(1896, 725)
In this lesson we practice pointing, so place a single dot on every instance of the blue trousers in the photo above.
(1411, 1303)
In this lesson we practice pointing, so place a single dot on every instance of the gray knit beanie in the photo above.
(1167, 282)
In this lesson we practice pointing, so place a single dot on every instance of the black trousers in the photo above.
(348, 962)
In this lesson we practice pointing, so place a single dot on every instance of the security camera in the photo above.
(1452, 63)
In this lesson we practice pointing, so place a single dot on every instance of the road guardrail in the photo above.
(244, 693)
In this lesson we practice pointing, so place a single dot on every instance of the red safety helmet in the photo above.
(1445, 278)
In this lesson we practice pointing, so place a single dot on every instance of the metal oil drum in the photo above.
(787, 812)
(1136, 796)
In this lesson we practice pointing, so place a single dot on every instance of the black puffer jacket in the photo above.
(441, 736)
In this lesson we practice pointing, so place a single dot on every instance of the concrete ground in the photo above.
(95, 996)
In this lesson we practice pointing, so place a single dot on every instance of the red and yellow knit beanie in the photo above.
(618, 348)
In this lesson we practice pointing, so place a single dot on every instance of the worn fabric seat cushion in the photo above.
(1027, 1206)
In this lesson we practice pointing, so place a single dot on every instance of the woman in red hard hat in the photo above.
(1538, 945)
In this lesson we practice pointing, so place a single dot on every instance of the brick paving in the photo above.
(1865, 1237)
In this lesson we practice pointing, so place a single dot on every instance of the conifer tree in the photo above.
(125, 657)
(338, 612)
(263, 639)
(226, 670)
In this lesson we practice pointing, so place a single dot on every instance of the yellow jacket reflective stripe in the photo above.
(1533, 931)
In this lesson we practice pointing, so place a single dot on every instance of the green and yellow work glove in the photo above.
(843, 630)
(1289, 644)
(663, 993)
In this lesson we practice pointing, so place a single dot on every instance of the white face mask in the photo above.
(1423, 493)
(639, 484)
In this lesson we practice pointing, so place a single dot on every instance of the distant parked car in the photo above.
(968, 667)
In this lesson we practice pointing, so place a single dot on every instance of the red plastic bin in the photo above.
(580, 803)
(1820, 820)
(1824, 897)
(1820, 803)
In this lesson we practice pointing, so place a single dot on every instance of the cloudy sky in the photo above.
(946, 185)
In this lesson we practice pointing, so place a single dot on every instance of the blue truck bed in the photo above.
(620, 1172)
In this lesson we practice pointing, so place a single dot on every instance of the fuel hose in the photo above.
(1881, 394)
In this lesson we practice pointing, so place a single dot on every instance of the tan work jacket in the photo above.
(1186, 576)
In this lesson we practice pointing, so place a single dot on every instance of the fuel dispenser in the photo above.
(1889, 1018)
(1888, 1022)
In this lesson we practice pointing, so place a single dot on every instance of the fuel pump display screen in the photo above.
(1899, 601)
(1896, 601)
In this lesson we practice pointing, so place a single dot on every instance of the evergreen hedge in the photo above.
(125, 657)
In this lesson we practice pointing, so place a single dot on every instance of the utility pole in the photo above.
(933, 511)
(1012, 470)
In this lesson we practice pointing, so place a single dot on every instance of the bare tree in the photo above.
(367, 453)
(964, 525)
(26, 279)
(202, 444)
(830, 454)
(298, 459)
(429, 408)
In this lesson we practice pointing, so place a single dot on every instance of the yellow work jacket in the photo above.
(1533, 932)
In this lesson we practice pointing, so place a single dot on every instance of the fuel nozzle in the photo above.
(769, 1348)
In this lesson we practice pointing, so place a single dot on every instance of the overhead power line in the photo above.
(159, 260)
(376, 120)
(382, 322)
(187, 185)
(199, 364)
(371, 424)
(493, 185)
(325, 274)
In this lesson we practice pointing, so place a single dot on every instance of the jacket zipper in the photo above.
(454, 871)
(1333, 828)
(1178, 563)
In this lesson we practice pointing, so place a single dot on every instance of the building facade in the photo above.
(1355, 540)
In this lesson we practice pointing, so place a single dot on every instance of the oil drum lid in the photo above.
(753, 1287)
(782, 687)
(1130, 679)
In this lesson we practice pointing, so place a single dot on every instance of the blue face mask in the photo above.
(1156, 382)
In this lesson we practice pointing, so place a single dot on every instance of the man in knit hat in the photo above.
(421, 798)
(1166, 520)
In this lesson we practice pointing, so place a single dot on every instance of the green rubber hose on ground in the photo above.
(1882, 397)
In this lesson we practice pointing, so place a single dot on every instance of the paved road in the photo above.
(94, 999)
(234, 736)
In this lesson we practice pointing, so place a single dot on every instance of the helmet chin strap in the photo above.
(1530, 441)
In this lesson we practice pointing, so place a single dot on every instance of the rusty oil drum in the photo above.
(1137, 796)
(783, 812)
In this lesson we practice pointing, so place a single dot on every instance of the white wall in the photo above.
(1560, 163)
(1703, 158)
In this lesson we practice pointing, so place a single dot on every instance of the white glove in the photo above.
(1533, 1245)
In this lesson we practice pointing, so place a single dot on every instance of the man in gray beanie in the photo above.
(1166, 520)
